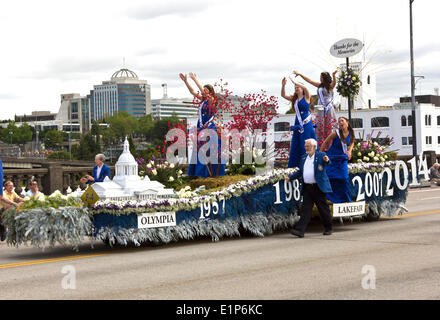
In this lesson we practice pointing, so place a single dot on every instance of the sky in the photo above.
(55, 47)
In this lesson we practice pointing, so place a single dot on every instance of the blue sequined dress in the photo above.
(196, 167)
(337, 172)
(297, 149)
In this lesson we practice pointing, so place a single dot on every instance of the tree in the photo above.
(161, 127)
(53, 139)
(146, 124)
(16, 135)
(122, 124)
(87, 148)
(24, 134)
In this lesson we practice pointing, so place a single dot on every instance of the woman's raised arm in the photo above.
(313, 83)
(330, 137)
(283, 90)
(191, 90)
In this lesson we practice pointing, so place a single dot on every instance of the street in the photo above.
(394, 258)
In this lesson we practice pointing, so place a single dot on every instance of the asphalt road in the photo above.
(394, 258)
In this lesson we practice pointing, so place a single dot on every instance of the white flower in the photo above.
(56, 194)
(385, 156)
(375, 144)
(359, 160)
(149, 165)
(376, 159)
(359, 154)
(27, 198)
(366, 159)
(171, 179)
(154, 172)
(172, 165)
(382, 159)
(180, 172)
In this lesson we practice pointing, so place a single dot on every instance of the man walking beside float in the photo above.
(315, 186)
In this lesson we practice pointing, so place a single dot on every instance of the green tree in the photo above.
(53, 139)
(24, 134)
(146, 124)
(122, 124)
(16, 135)
(60, 155)
(161, 127)
(87, 149)
(8, 134)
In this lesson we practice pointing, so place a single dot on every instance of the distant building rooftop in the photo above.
(429, 98)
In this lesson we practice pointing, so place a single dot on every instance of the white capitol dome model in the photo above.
(127, 185)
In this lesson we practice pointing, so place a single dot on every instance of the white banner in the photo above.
(348, 209)
(156, 220)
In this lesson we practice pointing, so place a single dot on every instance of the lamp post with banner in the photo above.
(347, 48)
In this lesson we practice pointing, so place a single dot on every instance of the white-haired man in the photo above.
(100, 171)
(315, 186)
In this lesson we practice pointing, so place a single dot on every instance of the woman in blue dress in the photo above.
(204, 167)
(303, 128)
(342, 143)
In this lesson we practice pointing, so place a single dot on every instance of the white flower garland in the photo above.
(190, 200)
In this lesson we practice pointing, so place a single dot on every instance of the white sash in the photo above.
(298, 116)
(200, 115)
(344, 145)
(321, 97)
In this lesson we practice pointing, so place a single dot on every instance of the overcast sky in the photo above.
(55, 47)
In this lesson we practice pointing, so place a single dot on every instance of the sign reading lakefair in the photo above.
(346, 48)
(348, 209)
(156, 220)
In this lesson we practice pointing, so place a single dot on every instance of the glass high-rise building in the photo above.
(124, 92)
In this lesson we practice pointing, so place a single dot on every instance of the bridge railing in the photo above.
(50, 177)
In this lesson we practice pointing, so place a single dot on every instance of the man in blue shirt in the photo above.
(315, 186)
(100, 171)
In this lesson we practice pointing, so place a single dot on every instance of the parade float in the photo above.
(134, 210)
(135, 207)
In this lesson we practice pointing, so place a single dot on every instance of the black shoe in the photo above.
(297, 233)
(327, 232)
(2, 233)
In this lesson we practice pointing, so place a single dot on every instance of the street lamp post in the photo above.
(417, 81)
(413, 98)
(36, 144)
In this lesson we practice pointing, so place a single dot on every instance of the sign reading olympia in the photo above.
(156, 220)
(346, 48)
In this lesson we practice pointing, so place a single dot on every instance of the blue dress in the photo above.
(337, 172)
(297, 149)
(199, 169)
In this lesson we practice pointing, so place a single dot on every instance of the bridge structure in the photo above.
(51, 175)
